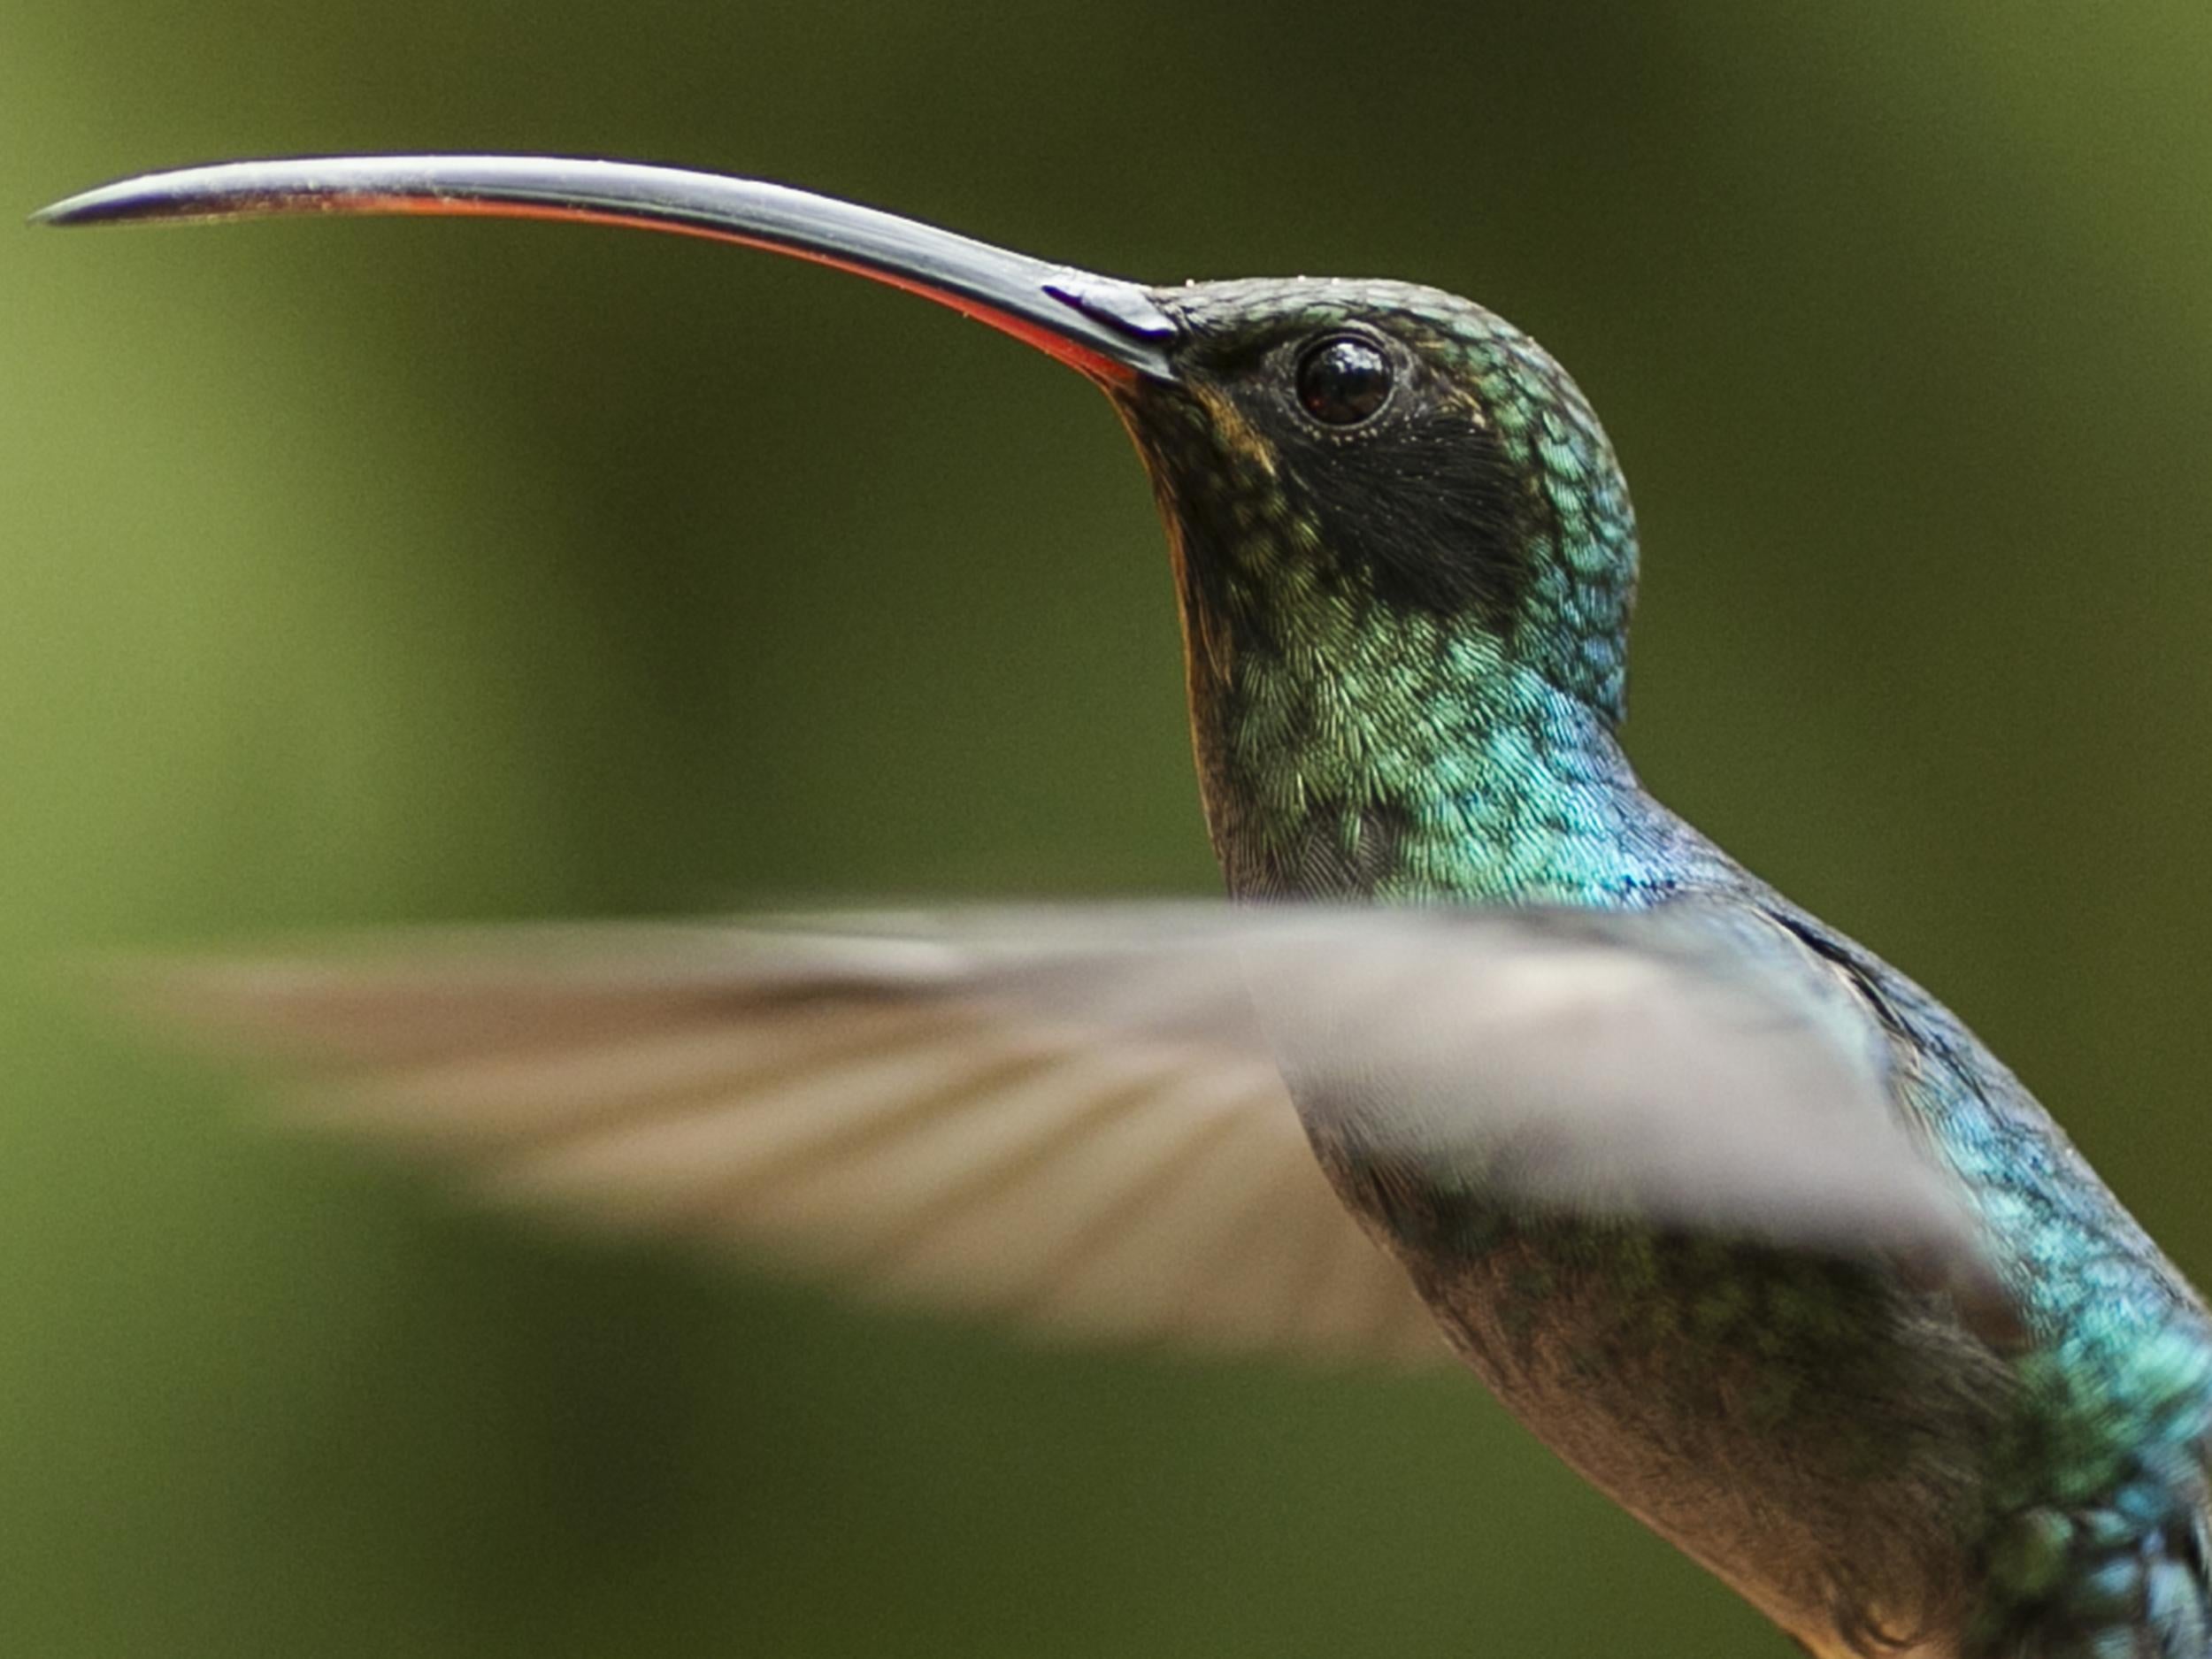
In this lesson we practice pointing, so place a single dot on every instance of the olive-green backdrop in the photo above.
(371, 573)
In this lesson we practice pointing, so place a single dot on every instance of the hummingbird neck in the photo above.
(1351, 766)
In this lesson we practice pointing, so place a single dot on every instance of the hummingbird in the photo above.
(1490, 1055)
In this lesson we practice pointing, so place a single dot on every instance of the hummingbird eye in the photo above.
(1343, 378)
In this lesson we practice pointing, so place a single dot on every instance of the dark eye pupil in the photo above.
(1344, 380)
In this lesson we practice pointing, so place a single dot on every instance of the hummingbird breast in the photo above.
(1793, 1425)
(1828, 1436)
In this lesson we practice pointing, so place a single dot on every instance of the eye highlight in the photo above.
(1343, 379)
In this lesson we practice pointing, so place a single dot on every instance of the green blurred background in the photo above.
(370, 572)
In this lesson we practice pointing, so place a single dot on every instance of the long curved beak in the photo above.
(1108, 329)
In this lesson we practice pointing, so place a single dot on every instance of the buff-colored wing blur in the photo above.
(850, 1107)
(1075, 1117)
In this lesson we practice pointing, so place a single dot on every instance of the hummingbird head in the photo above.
(1404, 549)
(1389, 469)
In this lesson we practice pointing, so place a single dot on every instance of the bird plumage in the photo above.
(1844, 1452)
(1737, 1218)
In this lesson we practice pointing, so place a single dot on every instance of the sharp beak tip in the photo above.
(87, 207)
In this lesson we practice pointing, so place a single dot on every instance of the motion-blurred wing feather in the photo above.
(1081, 1116)
(1074, 1137)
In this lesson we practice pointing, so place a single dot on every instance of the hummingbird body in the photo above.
(1405, 559)
(1413, 707)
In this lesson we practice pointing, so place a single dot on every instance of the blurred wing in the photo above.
(1074, 1115)
(938, 1111)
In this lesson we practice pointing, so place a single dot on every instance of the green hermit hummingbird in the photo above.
(1490, 1045)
